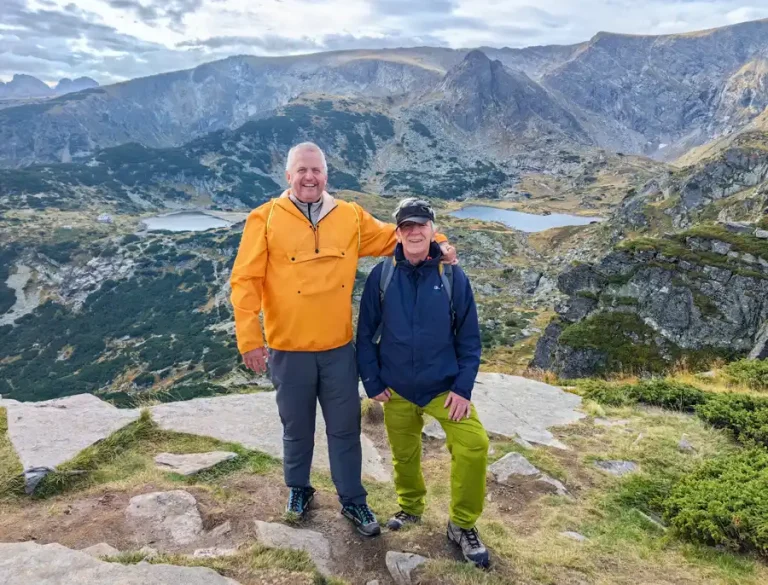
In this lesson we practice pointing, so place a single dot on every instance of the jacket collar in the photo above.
(328, 204)
(435, 256)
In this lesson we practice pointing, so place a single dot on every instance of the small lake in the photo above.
(525, 222)
(185, 221)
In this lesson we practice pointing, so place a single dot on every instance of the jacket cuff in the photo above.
(463, 393)
(374, 387)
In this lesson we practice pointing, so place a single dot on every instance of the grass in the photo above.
(11, 479)
(128, 455)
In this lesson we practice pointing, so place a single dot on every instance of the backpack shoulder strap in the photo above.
(385, 278)
(446, 276)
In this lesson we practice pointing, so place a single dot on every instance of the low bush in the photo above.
(744, 415)
(751, 373)
(724, 503)
(662, 393)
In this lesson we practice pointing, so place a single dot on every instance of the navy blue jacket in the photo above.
(419, 356)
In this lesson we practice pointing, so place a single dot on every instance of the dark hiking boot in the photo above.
(401, 519)
(470, 544)
(363, 519)
(299, 500)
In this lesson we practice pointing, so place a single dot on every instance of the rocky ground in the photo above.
(152, 504)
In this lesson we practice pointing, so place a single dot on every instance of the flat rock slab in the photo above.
(46, 434)
(192, 463)
(513, 406)
(514, 464)
(29, 563)
(167, 519)
(313, 543)
(402, 565)
(617, 468)
(574, 536)
(253, 421)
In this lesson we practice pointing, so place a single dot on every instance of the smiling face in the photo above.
(307, 176)
(416, 239)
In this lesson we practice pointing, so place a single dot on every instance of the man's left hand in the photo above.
(449, 253)
(460, 407)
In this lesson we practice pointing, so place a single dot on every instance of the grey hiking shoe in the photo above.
(299, 500)
(401, 519)
(471, 546)
(363, 518)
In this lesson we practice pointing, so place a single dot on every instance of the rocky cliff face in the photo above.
(479, 92)
(693, 296)
(663, 95)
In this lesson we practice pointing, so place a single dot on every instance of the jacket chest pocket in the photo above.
(319, 272)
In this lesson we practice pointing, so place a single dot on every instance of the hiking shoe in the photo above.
(363, 519)
(401, 519)
(299, 500)
(471, 546)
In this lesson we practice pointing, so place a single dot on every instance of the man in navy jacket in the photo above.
(418, 350)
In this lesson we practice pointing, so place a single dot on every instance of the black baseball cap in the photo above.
(414, 210)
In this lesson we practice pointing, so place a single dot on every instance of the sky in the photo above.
(114, 40)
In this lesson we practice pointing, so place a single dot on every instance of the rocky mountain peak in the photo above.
(24, 86)
(67, 85)
(480, 91)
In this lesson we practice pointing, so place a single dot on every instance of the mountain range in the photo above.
(26, 86)
(657, 96)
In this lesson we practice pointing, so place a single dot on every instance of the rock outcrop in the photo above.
(695, 295)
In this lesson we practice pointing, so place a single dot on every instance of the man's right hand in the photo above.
(383, 397)
(256, 359)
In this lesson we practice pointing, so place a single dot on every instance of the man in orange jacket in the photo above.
(297, 263)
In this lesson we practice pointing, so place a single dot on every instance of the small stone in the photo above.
(574, 536)
(376, 582)
(512, 464)
(209, 553)
(192, 463)
(101, 550)
(748, 258)
(617, 468)
(433, 430)
(313, 543)
(221, 530)
(171, 518)
(402, 565)
(719, 247)
(762, 234)
(652, 520)
(707, 375)
(685, 445)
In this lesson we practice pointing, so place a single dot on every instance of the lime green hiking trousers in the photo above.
(467, 442)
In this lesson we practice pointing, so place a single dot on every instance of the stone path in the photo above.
(29, 563)
(46, 434)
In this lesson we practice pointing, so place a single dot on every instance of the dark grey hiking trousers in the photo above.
(302, 378)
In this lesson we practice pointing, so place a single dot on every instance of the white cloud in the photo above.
(113, 40)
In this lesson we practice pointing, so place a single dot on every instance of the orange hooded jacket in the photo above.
(302, 275)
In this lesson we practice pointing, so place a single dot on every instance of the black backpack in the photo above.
(385, 279)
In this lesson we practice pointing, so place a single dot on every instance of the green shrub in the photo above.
(658, 392)
(724, 502)
(745, 416)
(752, 373)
